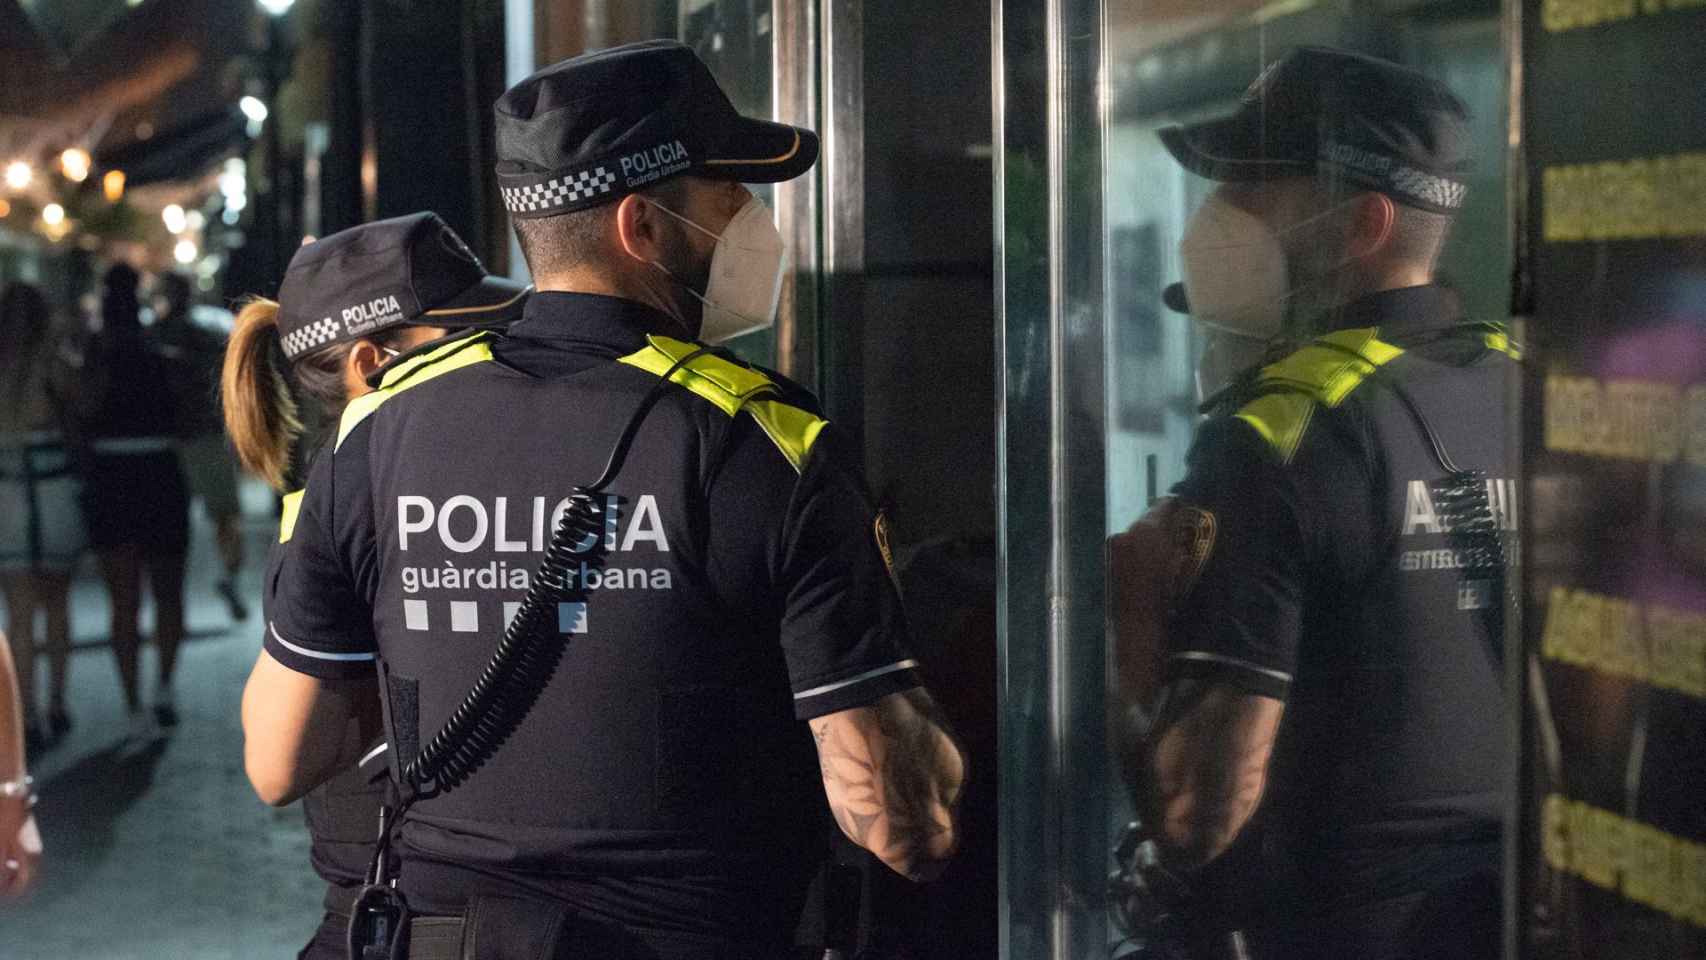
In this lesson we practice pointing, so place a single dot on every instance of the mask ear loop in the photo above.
(691, 223)
(715, 236)
(687, 286)
(686, 329)
(672, 313)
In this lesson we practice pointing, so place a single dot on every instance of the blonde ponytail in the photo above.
(260, 413)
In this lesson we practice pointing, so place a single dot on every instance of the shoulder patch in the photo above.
(1322, 373)
(1190, 540)
(452, 356)
(880, 529)
(289, 508)
(734, 389)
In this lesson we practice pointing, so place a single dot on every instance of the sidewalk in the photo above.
(161, 851)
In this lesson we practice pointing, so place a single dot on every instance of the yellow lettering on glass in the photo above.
(1650, 644)
(1635, 199)
(1639, 861)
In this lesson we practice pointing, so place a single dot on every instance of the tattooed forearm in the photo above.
(1210, 767)
(893, 775)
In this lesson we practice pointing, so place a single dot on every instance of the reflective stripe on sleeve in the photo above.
(1203, 656)
(315, 654)
(842, 684)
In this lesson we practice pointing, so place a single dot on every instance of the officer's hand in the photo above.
(20, 852)
(1148, 903)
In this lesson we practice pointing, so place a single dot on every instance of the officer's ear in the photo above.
(641, 228)
(1372, 218)
(364, 358)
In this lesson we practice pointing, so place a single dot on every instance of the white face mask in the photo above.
(1235, 271)
(746, 273)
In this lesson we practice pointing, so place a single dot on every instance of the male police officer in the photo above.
(659, 798)
(1312, 574)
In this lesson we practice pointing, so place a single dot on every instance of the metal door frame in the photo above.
(1049, 295)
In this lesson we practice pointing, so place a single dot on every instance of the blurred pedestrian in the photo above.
(41, 522)
(20, 843)
(197, 352)
(135, 496)
(271, 434)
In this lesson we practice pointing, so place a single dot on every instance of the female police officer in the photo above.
(655, 795)
(329, 364)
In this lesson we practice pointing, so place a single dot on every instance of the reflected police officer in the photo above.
(654, 793)
(1330, 705)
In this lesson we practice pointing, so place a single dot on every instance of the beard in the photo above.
(692, 274)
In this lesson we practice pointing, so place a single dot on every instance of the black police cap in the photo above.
(1317, 110)
(390, 273)
(596, 128)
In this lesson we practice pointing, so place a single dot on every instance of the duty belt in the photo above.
(436, 938)
(507, 928)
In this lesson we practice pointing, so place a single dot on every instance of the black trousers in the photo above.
(329, 941)
(1460, 920)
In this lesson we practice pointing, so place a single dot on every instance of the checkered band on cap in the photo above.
(1429, 191)
(558, 192)
(307, 337)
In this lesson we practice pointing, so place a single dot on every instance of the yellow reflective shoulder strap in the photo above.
(291, 506)
(725, 384)
(790, 428)
(457, 354)
(732, 389)
(1498, 338)
(1322, 373)
(1281, 419)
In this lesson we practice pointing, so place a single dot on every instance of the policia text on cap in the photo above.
(1333, 555)
(660, 797)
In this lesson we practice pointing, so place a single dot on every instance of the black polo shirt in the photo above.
(663, 780)
(342, 814)
(1323, 577)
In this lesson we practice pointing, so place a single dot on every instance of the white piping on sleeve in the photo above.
(1206, 657)
(376, 751)
(868, 674)
(317, 655)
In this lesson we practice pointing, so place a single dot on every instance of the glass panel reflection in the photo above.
(1308, 476)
